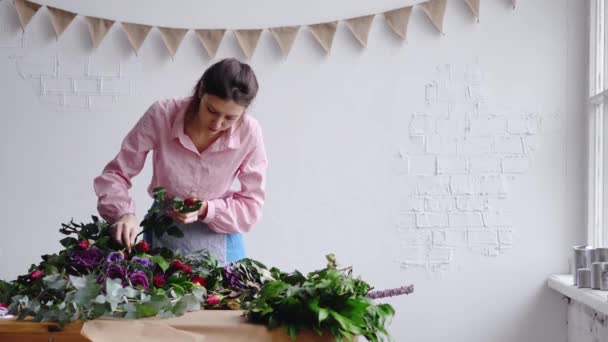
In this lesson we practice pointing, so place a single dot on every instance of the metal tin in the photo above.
(584, 277)
(582, 259)
(599, 255)
(596, 274)
(604, 278)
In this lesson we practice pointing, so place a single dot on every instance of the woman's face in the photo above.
(217, 115)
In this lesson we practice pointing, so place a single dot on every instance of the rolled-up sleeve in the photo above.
(112, 186)
(238, 213)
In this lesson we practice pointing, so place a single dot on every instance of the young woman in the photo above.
(201, 145)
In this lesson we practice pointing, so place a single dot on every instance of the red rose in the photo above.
(3, 306)
(37, 274)
(199, 280)
(213, 300)
(190, 202)
(84, 244)
(178, 265)
(188, 270)
(142, 246)
(158, 280)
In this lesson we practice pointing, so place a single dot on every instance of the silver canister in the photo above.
(599, 255)
(582, 259)
(584, 277)
(604, 277)
(596, 273)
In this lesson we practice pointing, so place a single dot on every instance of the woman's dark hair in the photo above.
(228, 79)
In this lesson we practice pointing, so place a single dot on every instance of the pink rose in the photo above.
(213, 300)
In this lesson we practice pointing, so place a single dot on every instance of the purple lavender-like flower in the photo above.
(86, 258)
(101, 279)
(114, 271)
(115, 256)
(139, 278)
(143, 261)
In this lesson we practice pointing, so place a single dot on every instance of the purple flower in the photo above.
(101, 279)
(139, 278)
(86, 258)
(232, 277)
(143, 261)
(114, 271)
(114, 257)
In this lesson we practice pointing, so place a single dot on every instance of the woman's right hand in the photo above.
(124, 231)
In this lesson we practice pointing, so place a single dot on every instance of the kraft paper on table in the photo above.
(204, 325)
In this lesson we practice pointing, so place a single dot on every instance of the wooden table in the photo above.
(11, 330)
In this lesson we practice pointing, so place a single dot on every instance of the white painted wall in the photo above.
(476, 223)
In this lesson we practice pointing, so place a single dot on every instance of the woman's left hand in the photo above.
(188, 217)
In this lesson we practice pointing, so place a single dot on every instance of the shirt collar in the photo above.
(230, 139)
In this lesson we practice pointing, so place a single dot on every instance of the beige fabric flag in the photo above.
(173, 38)
(136, 34)
(26, 11)
(324, 33)
(285, 37)
(398, 20)
(60, 19)
(98, 28)
(435, 10)
(211, 40)
(360, 27)
(248, 40)
(474, 6)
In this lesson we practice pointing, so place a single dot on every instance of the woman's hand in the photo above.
(191, 216)
(124, 230)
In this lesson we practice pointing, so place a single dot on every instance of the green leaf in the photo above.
(292, 330)
(54, 281)
(323, 314)
(345, 323)
(145, 310)
(78, 282)
(68, 242)
(179, 290)
(161, 262)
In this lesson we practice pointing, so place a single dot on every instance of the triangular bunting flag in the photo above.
(173, 38)
(435, 10)
(60, 19)
(98, 28)
(136, 34)
(398, 20)
(324, 33)
(26, 11)
(360, 27)
(474, 6)
(211, 40)
(285, 37)
(248, 40)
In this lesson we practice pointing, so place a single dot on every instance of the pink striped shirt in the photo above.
(184, 172)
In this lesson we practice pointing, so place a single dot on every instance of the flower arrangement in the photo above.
(93, 276)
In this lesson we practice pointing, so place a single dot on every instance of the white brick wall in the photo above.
(77, 83)
(460, 156)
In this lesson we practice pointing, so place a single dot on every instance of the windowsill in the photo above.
(595, 299)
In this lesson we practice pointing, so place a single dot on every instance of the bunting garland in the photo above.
(324, 33)
(60, 19)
